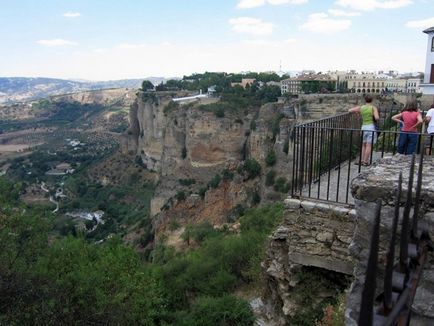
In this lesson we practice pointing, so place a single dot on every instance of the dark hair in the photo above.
(411, 105)
(368, 98)
(432, 106)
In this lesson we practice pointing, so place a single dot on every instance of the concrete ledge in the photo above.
(310, 206)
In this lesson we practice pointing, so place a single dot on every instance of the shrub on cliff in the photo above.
(269, 178)
(252, 168)
(180, 195)
(214, 183)
(228, 175)
(270, 159)
(171, 106)
(281, 185)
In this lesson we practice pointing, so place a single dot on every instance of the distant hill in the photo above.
(19, 89)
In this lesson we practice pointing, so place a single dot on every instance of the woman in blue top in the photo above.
(369, 115)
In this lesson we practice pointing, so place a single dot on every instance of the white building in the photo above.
(413, 85)
(396, 85)
(365, 83)
(428, 84)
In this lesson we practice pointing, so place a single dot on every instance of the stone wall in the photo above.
(312, 234)
(380, 182)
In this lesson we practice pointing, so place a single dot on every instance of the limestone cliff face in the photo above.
(184, 142)
(184, 138)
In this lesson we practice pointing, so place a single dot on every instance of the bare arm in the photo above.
(355, 109)
(376, 114)
(397, 118)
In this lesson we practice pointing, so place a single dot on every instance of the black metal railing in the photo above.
(327, 154)
(393, 306)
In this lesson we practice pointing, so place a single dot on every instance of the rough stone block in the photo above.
(308, 205)
(325, 237)
(292, 203)
(322, 207)
(341, 211)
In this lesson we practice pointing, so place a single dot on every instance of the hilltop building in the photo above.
(428, 84)
(244, 82)
(366, 83)
(308, 84)
(413, 85)
(396, 85)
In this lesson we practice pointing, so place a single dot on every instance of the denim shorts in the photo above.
(429, 140)
(369, 134)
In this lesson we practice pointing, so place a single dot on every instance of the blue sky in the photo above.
(108, 39)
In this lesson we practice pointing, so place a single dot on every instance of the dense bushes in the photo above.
(71, 281)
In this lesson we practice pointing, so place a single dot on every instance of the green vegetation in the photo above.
(126, 204)
(187, 182)
(281, 185)
(270, 178)
(275, 126)
(180, 195)
(170, 107)
(317, 86)
(271, 158)
(70, 281)
(252, 168)
(228, 175)
(147, 85)
(215, 181)
(311, 309)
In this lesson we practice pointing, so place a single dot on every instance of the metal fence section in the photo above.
(393, 306)
(327, 154)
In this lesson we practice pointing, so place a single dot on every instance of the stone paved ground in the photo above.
(338, 189)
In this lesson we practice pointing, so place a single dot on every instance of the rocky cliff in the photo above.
(193, 142)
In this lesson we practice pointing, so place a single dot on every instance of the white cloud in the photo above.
(342, 13)
(270, 43)
(254, 26)
(423, 23)
(245, 4)
(131, 46)
(71, 14)
(322, 23)
(368, 5)
(56, 42)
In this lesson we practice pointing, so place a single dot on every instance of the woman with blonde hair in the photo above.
(411, 118)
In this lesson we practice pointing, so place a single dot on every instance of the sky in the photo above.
(114, 39)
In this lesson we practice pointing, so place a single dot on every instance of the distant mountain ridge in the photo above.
(21, 89)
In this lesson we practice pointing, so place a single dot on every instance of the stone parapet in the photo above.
(381, 182)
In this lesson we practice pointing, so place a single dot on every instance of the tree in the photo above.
(147, 85)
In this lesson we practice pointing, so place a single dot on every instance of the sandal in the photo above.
(366, 164)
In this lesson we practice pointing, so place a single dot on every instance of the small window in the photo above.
(432, 45)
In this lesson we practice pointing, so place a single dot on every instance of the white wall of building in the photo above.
(429, 58)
